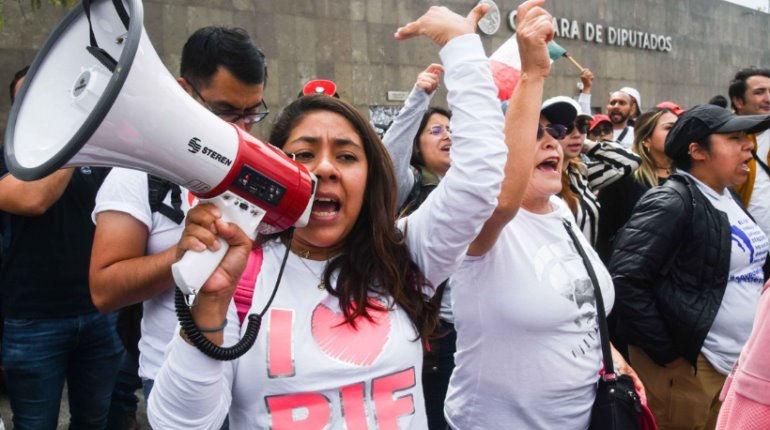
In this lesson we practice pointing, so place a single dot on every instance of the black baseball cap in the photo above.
(701, 121)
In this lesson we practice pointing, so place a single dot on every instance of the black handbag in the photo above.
(617, 405)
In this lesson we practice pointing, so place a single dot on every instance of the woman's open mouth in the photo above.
(325, 207)
(550, 164)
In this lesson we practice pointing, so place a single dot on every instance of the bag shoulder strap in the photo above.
(760, 162)
(244, 291)
(601, 315)
(157, 188)
(622, 134)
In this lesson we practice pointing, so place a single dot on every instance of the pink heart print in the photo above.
(359, 346)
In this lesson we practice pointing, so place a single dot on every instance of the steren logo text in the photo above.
(195, 146)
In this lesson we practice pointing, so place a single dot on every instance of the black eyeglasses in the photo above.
(557, 131)
(581, 125)
(598, 131)
(249, 118)
(439, 130)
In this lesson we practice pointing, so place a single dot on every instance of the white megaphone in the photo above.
(98, 95)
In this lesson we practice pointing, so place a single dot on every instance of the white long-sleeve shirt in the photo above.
(305, 366)
(400, 137)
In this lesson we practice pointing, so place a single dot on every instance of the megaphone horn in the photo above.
(113, 103)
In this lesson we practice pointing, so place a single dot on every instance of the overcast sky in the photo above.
(752, 3)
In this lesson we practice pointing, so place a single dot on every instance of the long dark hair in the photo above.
(417, 159)
(374, 257)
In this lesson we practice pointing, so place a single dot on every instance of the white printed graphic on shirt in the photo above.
(560, 266)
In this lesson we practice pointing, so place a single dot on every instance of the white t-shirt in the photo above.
(308, 365)
(528, 348)
(126, 191)
(735, 318)
(628, 139)
(322, 373)
(759, 205)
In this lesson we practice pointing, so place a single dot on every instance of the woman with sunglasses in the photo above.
(528, 354)
(617, 201)
(600, 128)
(341, 344)
(604, 164)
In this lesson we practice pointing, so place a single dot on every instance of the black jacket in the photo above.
(670, 265)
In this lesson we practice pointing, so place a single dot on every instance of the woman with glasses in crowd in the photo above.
(618, 200)
(427, 129)
(588, 166)
(342, 344)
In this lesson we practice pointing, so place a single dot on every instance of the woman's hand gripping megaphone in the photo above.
(195, 268)
(265, 191)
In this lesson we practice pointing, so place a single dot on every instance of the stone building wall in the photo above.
(351, 42)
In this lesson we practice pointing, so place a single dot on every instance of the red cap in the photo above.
(320, 86)
(598, 119)
(671, 105)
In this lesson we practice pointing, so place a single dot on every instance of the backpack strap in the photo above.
(157, 189)
(244, 291)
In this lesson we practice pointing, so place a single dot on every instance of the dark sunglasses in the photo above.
(598, 131)
(581, 125)
(557, 131)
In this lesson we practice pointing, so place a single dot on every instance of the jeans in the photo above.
(39, 354)
(124, 401)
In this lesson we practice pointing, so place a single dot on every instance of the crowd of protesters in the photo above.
(453, 273)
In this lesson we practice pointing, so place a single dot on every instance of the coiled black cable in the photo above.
(252, 328)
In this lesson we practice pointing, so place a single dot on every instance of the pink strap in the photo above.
(244, 292)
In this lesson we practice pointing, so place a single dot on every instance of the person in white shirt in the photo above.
(750, 95)
(135, 244)
(341, 341)
(688, 268)
(528, 352)
(620, 108)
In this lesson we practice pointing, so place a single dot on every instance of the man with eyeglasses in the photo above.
(139, 218)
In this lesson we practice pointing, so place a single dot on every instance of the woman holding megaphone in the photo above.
(341, 345)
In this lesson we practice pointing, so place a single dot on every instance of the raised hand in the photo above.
(428, 79)
(587, 78)
(534, 29)
(442, 25)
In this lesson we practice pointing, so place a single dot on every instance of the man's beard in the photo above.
(623, 118)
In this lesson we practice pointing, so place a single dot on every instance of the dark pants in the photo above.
(40, 354)
(124, 401)
(437, 367)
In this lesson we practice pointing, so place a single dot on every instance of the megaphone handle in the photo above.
(195, 268)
